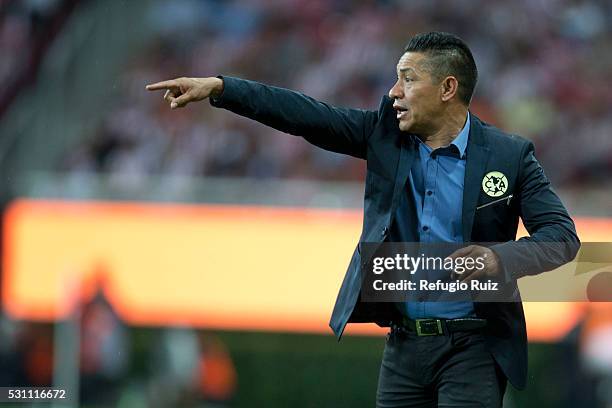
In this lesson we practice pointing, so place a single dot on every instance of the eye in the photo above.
(407, 79)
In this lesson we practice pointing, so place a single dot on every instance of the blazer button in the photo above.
(384, 231)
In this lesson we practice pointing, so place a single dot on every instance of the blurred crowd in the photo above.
(27, 28)
(544, 66)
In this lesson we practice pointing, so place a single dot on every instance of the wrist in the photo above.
(217, 88)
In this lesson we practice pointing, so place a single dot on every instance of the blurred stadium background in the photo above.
(157, 258)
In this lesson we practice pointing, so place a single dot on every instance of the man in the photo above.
(435, 173)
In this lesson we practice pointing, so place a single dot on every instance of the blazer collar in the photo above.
(477, 156)
(406, 158)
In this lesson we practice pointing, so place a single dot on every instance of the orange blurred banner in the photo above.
(210, 266)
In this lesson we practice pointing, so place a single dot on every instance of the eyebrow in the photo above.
(403, 70)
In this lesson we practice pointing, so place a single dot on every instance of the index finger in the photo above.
(172, 83)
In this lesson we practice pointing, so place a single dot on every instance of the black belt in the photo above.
(436, 327)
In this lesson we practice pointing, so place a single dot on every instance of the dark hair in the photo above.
(447, 55)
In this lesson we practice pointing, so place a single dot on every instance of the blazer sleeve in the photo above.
(332, 128)
(552, 239)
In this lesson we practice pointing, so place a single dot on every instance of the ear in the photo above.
(448, 88)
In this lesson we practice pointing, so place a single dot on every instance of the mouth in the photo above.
(400, 111)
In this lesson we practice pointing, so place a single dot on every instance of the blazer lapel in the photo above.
(477, 155)
(406, 158)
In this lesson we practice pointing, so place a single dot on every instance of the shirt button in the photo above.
(429, 192)
(425, 228)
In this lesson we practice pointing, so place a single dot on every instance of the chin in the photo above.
(404, 127)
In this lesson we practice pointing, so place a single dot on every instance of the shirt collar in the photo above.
(462, 138)
(460, 141)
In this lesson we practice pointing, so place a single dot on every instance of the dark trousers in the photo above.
(452, 370)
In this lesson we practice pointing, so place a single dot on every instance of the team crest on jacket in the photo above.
(494, 183)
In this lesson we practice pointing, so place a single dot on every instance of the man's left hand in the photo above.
(491, 269)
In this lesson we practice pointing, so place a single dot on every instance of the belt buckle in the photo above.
(428, 327)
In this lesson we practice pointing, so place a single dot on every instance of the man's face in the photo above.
(417, 97)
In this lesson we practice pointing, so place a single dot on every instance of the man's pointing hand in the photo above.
(181, 91)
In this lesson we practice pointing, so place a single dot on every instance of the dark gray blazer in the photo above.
(375, 137)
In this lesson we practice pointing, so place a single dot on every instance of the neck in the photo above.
(450, 126)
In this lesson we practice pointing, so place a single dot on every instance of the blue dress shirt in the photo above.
(436, 181)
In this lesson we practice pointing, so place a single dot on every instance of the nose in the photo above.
(396, 91)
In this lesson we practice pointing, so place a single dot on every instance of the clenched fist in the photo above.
(181, 91)
(490, 261)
